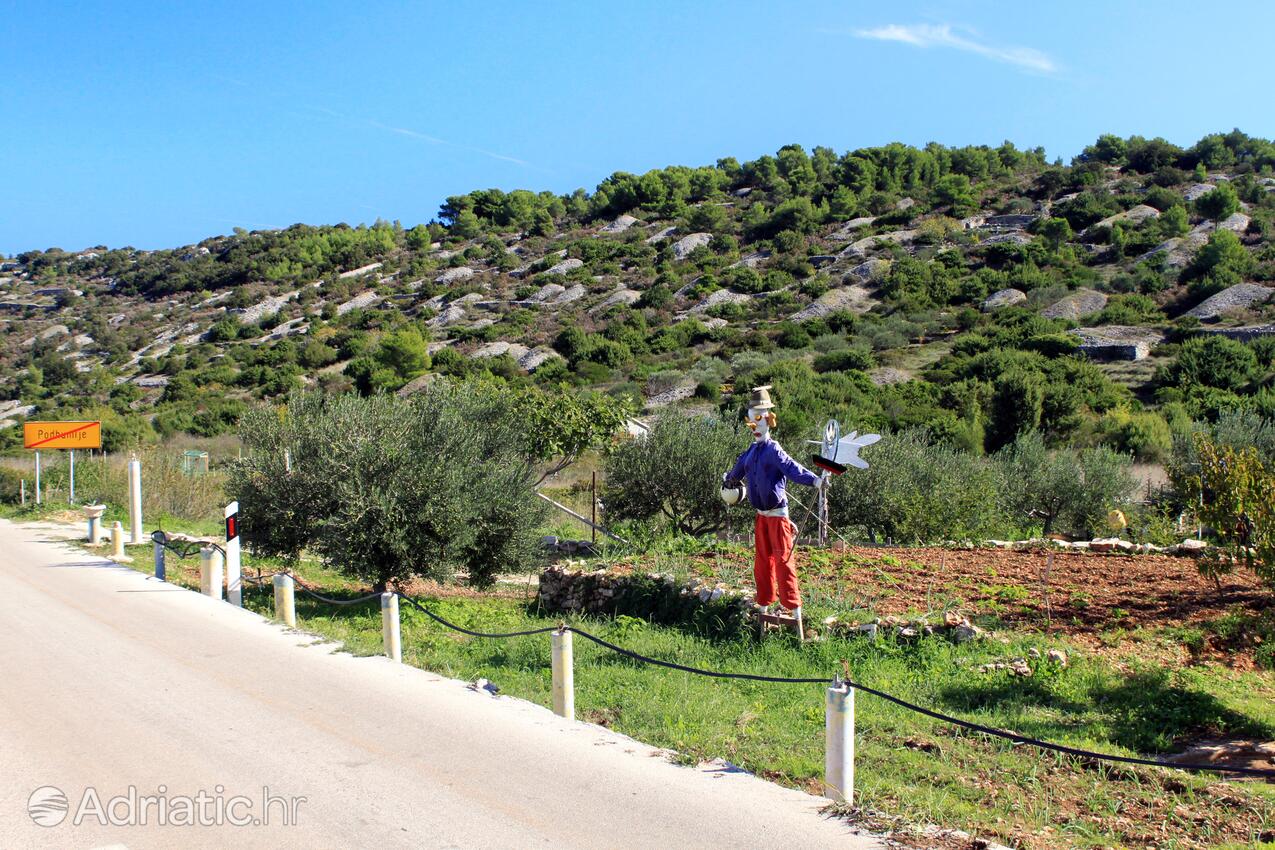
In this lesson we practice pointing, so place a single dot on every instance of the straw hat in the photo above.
(760, 399)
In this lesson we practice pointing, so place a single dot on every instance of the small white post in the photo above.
(117, 541)
(564, 691)
(285, 599)
(234, 572)
(22, 492)
(71, 495)
(287, 460)
(390, 635)
(838, 766)
(93, 513)
(135, 500)
(38, 498)
(210, 572)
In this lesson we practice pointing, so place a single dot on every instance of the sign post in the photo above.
(60, 435)
(234, 572)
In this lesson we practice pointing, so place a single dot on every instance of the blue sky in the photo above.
(158, 124)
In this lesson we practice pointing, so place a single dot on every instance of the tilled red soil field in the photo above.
(1076, 592)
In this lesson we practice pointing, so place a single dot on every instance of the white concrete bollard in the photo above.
(838, 766)
(93, 513)
(390, 634)
(210, 572)
(135, 500)
(285, 600)
(564, 689)
(117, 541)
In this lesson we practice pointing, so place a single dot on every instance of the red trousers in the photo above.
(775, 563)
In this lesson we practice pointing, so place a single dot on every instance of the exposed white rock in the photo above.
(869, 270)
(499, 347)
(537, 357)
(661, 235)
(1197, 190)
(1117, 342)
(547, 293)
(624, 296)
(258, 311)
(449, 316)
(861, 247)
(1241, 296)
(1075, 306)
(370, 267)
(1003, 298)
(854, 298)
(620, 225)
(358, 302)
(846, 231)
(564, 267)
(751, 260)
(575, 293)
(1013, 237)
(683, 247)
(451, 276)
(1133, 215)
(721, 296)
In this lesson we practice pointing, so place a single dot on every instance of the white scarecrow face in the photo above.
(758, 421)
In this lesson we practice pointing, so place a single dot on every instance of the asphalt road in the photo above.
(111, 680)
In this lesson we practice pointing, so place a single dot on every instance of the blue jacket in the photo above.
(763, 466)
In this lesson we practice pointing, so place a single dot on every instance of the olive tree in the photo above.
(384, 488)
(674, 473)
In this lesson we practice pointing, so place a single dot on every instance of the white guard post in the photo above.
(564, 691)
(210, 575)
(234, 572)
(838, 769)
(135, 500)
(285, 599)
(390, 634)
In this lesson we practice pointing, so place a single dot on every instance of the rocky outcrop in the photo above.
(721, 296)
(683, 247)
(846, 231)
(621, 224)
(868, 270)
(622, 296)
(1241, 296)
(855, 298)
(564, 267)
(1117, 342)
(1244, 334)
(1003, 298)
(363, 299)
(455, 275)
(1081, 303)
(1133, 215)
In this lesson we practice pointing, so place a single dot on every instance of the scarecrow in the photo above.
(760, 475)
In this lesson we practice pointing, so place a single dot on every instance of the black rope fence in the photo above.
(1004, 734)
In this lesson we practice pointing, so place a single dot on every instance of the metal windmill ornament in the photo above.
(838, 453)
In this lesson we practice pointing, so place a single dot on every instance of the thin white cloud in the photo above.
(412, 134)
(943, 35)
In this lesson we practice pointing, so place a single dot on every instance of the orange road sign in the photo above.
(62, 435)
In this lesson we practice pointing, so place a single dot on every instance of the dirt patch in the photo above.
(1075, 593)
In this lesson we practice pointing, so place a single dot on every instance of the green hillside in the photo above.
(980, 292)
